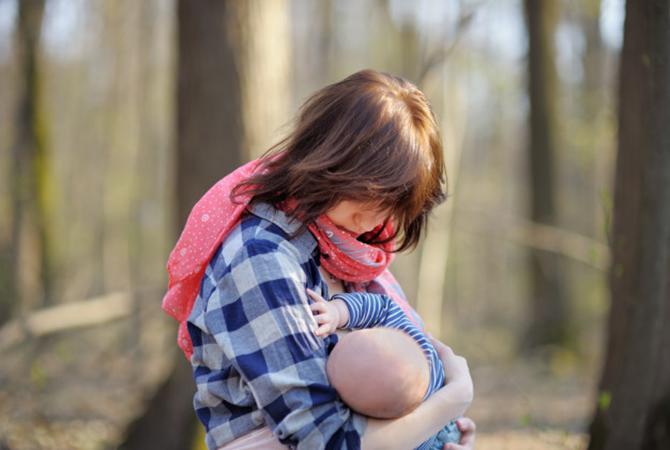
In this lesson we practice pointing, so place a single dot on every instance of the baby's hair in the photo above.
(371, 137)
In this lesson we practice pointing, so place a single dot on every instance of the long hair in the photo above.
(371, 137)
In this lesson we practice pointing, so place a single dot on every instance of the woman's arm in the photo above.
(425, 421)
(258, 315)
(258, 327)
(365, 310)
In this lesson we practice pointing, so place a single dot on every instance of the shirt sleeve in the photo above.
(371, 310)
(258, 314)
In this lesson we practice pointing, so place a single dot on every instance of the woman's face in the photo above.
(357, 217)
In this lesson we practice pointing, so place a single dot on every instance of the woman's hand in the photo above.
(455, 367)
(456, 371)
(467, 428)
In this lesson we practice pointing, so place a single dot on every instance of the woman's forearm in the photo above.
(425, 421)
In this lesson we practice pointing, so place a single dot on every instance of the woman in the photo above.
(323, 209)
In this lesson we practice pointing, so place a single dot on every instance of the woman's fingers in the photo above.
(443, 351)
(458, 447)
(455, 366)
(467, 427)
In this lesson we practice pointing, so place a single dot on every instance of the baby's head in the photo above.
(379, 372)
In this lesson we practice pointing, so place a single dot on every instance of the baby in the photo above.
(387, 366)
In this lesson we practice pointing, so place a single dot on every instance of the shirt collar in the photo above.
(290, 225)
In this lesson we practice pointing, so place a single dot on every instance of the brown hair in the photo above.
(371, 137)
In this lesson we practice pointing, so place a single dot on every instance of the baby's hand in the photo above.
(326, 313)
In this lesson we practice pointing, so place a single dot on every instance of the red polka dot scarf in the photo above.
(364, 266)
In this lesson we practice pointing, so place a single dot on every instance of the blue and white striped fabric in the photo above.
(368, 310)
(375, 310)
(256, 360)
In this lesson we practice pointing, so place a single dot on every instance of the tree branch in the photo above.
(67, 316)
(538, 236)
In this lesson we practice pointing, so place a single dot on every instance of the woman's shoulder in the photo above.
(259, 250)
(265, 229)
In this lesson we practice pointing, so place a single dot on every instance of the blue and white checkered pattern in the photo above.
(256, 360)
(376, 310)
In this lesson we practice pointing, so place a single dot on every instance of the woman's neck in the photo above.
(335, 286)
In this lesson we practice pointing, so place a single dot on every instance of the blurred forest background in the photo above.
(116, 115)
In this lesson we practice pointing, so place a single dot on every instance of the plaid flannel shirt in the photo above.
(256, 360)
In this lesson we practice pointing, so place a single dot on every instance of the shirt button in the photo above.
(257, 417)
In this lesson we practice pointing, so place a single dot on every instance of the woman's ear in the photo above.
(356, 219)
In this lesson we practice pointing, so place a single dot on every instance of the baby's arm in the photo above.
(357, 310)
(367, 310)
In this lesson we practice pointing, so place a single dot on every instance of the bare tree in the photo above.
(548, 308)
(232, 91)
(633, 410)
(209, 138)
(259, 33)
(29, 278)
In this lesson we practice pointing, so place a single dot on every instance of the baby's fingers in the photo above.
(314, 296)
(323, 318)
(323, 330)
(318, 308)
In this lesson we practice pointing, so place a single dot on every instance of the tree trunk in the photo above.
(209, 120)
(633, 410)
(592, 115)
(232, 93)
(548, 308)
(209, 138)
(260, 36)
(29, 269)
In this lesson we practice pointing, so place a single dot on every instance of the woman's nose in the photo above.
(366, 225)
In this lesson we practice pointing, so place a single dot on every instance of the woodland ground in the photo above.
(77, 390)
